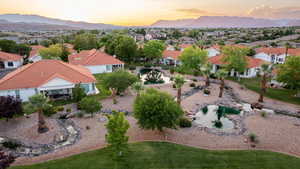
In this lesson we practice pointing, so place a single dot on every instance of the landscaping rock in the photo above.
(269, 111)
(256, 106)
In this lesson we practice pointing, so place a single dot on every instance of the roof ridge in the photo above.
(70, 67)
(90, 56)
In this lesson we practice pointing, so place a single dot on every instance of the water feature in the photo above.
(153, 76)
(213, 116)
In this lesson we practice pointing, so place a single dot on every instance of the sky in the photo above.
(146, 12)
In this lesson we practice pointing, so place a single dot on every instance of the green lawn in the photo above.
(156, 155)
(285, 95)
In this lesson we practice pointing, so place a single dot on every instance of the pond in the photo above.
(153, 76)
(213, 116)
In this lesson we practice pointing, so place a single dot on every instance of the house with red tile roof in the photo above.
(96, 61)
(275, 55)
(253, 65)
(170, 57)
(10, 60)
(34, 53)
(52, 78)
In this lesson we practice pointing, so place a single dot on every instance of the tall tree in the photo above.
(192, 58)
(179, 82)
(126, 49)
(221, 74)
(156, 110)
(153, 49)
(117, 127)
(37, 103)
(235, 58)
(289, 73)
(206, 72)
(52, 52)
(85, 41)
(10, 106)
(265, 72)
(287, 47)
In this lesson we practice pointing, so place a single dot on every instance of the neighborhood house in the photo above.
(10, 61)
(52, 78)
(96, 61)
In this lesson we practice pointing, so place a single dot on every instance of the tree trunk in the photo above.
(42, 127)
(113, 94)
(263, 89)
(179, 96)
(207, 82)
(221, 88)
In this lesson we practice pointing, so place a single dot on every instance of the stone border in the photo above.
(71, 134)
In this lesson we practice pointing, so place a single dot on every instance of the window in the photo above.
(17, 92)
(108, 68)
(86, 87)
(10, 64)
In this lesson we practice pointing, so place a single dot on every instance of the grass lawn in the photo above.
(285, 95)
(159, 155)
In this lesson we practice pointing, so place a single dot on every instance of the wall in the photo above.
(16, 64)
(98, 69)
(24, 93)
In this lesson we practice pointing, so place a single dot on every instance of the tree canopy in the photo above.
(193, 57)
(90, 105)
(156, 110)
(119, 80)
(12, 47)
(126, 49)
(289, 72)
(85, 41)
(235, 58)
(153, 49)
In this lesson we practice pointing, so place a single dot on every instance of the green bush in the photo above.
(228, 110)
(192, 85)
(60, 108)
(147, 65)
(79, 114)
(174, 86)
(49, 110)
(195, 80)
(68, 110)
(253, 138)
(172, 70)
(185, 123)
(263, 114)
(205, 109)
(11, 145)
(218, 124)
(131, 67)
(206, 91)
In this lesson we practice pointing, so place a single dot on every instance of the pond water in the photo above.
(210, 117)
(153, 76)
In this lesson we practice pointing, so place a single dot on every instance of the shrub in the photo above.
(196, 73)
(263, 114)
(185, 123)
(172, 70)
(79, 114)
(165, 67)
(132, 67)
(115, 101)
(195, 80)
(49, 110)
(60, 108)
(253, 138)
(171, 78)
(218, 124)
(68, 110)
(147, 65)
(205, 109)
(192, 85)
(206, 91)
(174, 86)
(11, 145)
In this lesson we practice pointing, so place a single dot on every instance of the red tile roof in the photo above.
(35, 50)
(36, 74)
(171, 53)
(218, 47)
(252, 62)
(93, 57)
(4, 56)
(278, 51)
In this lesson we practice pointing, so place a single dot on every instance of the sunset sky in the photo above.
(145, 12)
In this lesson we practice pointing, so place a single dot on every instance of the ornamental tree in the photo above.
(156, 110)
(153, 49)
(90, 105)
(117, 127)
(193, 57)
(289, 73)
(179, 82)
(9, 107)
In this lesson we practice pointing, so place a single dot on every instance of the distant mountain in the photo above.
(225, 22)
(50, 23)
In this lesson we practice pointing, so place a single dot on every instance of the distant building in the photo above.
(34, 55)
(96, 61)
(10, 60)
(275, 55)
(52, 78)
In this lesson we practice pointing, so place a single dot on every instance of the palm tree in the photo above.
(179, 82)
(265, 71)
(138, 87)
(37, 103)
(287, 46)
(221, 74)
(205, 70)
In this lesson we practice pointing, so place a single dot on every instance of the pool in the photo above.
(213, 116)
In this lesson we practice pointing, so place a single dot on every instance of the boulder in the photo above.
(247, 107)
(256, 106)
(269, 111)
(59, 138)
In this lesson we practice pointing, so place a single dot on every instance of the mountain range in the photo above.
(19, 22)
(225, 22)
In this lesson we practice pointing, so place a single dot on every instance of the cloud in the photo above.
(196, 12)
(275, 13)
